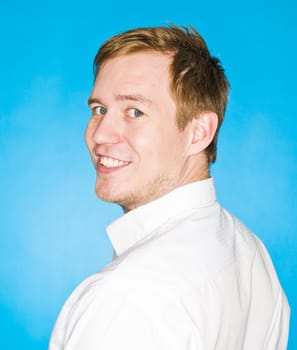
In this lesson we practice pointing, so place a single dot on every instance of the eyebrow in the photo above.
(134, 97)
(128, 97)
(92, 100)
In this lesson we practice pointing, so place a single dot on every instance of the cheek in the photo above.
(89, 137)
(90, 129)
(171, 150)
(155, 149)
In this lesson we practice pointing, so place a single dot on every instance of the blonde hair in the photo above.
(198, 81)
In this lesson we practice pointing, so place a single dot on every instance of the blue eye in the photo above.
(134, 113)
(100, 110)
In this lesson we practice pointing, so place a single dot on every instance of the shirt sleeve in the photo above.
(269, 312)
(123, 323)
(277, 335)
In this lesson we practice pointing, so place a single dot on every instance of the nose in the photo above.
(107, 131)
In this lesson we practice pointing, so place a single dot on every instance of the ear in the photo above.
(203, 129)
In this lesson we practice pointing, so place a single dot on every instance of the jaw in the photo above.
(120, 189)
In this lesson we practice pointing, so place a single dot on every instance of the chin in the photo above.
(105, 195)
(108, 194)
(127, 201)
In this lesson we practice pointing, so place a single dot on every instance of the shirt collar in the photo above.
(135, 225)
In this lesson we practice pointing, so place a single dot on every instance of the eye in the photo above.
(100, 110)
(134, 113)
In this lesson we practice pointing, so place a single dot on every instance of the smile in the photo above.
(111, 162)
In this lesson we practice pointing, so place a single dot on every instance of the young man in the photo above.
(187, 274)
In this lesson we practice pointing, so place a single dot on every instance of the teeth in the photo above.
(111, 163)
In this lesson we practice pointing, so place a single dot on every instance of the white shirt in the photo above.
(187, 276)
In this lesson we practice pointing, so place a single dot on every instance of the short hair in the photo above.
(198, 81)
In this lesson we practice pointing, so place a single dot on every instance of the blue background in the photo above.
(51, 224)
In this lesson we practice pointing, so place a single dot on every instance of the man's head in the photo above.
(157, 103)
(198, 83)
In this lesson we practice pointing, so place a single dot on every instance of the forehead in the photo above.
(151, 58)
(144, 68)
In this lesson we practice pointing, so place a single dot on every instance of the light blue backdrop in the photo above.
(51, 224)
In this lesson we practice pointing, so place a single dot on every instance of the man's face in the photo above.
(138, 152)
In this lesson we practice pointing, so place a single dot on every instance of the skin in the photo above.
(133, 132)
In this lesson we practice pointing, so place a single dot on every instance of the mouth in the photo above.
(108, 163)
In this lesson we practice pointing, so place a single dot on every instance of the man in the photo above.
(187, 274)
